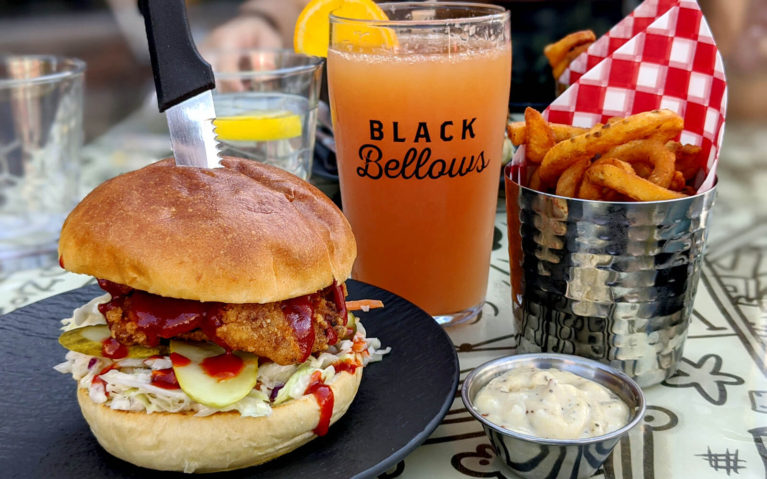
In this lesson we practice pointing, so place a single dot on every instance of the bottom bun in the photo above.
(219, 442)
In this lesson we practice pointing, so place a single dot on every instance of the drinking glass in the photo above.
(41, 111)
(266, 106)
(419, 107)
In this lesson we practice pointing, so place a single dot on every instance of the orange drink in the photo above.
(419, 125)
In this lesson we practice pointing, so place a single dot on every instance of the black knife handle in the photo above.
(179, 71)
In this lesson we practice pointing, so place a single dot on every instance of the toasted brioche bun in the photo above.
(244, 233)
(220, 442)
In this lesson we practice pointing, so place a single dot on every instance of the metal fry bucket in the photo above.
(608, 281)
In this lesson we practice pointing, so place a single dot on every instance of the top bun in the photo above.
(244, 233)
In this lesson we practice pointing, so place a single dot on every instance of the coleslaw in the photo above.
(125, 384)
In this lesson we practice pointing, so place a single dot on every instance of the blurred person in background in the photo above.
(269, 24)
(535, 23)
(259, 24)
(740, 30)
(119, 63)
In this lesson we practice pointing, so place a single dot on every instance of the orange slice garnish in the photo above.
(312, 32)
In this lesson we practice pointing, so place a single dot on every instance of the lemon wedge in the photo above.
(312, 33)
(260, 126)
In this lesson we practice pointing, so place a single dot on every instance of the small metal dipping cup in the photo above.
(537, 458)
(611, 281)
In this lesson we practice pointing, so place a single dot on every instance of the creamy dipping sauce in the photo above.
(550, 403)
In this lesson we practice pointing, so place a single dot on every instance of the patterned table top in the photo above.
(708, 421)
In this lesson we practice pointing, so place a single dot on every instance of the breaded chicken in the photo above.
(262, 329)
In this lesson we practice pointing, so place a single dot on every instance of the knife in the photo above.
(183, 81)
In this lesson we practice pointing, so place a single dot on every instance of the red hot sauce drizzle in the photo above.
(160, 317)
(115, 289)
(179, 360)
(212, 321)
(165, 378)
(298, 312)
(97, 379)
(113, 349)
(346, 365)
(324, 396)
(222, 367)
(340, 300)
(332, 335)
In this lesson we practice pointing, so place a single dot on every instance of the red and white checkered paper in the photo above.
(662, 55)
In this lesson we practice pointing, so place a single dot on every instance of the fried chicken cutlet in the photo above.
(276, 331)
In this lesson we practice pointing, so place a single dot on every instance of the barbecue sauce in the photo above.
(340, 299)
(222, 367)
(298, 312)
(159, 317)
(115, 289)
(324, 396)
(165, 378)
(179, 360)
(346, 365)
(97, 379)
(332, 335)
(113, 349)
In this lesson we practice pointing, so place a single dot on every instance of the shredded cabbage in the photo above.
(87, 314)
(126, 384)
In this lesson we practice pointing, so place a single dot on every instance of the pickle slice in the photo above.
(205, 388)
(88, 340)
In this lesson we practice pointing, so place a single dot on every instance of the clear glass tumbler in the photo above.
(41, 105)
(419, 106)
(266, 106)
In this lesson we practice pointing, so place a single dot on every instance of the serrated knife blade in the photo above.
(183, 81)
(192, 134)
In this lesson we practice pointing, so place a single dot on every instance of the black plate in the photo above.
(401, 400)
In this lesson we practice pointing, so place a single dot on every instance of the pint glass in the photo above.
(419, 106)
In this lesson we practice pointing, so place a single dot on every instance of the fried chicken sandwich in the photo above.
(222, 339)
